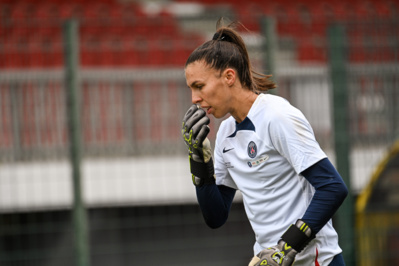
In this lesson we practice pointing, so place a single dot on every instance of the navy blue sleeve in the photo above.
(330, 193)
(215, 203)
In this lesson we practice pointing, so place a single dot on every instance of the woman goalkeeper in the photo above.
(267, 150)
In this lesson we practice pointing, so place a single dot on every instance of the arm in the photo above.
(194, 131)
(330, 193)
(215, 203)
(293, 138)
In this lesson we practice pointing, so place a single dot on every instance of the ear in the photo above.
(230, 76)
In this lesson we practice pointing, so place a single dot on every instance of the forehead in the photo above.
(198, 70)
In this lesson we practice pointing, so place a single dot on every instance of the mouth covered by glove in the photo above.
(195, 130)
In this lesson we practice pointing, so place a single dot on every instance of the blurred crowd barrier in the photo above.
(135, 173)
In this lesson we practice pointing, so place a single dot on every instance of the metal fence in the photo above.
(136, 187)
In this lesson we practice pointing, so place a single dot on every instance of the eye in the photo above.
(200, 86)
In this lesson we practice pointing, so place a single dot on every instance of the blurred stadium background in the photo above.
(138, 201)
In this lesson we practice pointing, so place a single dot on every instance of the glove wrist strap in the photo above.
(202, 173)
(298, 235)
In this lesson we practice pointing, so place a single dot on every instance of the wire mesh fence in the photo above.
(136, 184)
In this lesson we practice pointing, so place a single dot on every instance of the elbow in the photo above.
(214, 224)
(343, 193)
(216, 221)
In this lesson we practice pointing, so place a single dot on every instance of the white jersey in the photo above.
(263, 157)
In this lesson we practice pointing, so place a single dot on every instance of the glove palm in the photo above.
(283, 254)
(279, 255)
(194, 131)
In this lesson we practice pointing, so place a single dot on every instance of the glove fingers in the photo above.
(190, 112)
(202, 135)
(198, 126)
(195, 117)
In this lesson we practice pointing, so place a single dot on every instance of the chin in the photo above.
(218, 115)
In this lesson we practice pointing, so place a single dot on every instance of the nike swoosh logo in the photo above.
(224, 150)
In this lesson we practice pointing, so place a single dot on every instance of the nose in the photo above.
(195, 98)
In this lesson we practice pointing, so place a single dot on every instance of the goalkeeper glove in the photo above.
(293, 241)
(194, 131)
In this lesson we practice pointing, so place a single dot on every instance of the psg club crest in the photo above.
(252, 149)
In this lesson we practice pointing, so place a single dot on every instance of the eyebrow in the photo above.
(193, 83)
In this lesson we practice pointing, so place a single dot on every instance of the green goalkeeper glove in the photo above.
(294, 240)
(194, 131)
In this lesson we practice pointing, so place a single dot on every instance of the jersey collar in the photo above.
(246, 124)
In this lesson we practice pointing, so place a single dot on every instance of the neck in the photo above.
(244, 101)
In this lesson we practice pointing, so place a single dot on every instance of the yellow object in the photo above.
(377, 229)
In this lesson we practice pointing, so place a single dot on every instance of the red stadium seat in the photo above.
(141, 46)
(107, 55)
(298, 21)
(382, 10)
(167, 24)
(110, 29)
(128, 54)
(322, 15)
(44, 51)
(184, 46)
(89, 50)
(6, 132)
(356, 48)
(155, 52)
(34, 52)
(95, 11)
(55, 51)
(46, 10)
(21, 11)
(363, 10)
(70, 10)
(13, 51)
(250, 16)
(308, 52)
(343, 11)
(280, 13)
(358, 55)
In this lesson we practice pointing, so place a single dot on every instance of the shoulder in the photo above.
(277, 119)
(271, 100)
(278, 109)
(226, 127)
(268, 104)
(270, 108)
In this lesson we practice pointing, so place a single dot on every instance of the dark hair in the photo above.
(227, 49)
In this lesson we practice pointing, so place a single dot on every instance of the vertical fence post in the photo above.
(338, 72)
(73, 113)
(268, 26)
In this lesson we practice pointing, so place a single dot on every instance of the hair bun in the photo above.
(221, 36)
(218, 36)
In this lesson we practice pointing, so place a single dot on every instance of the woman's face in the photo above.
(210, 88)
